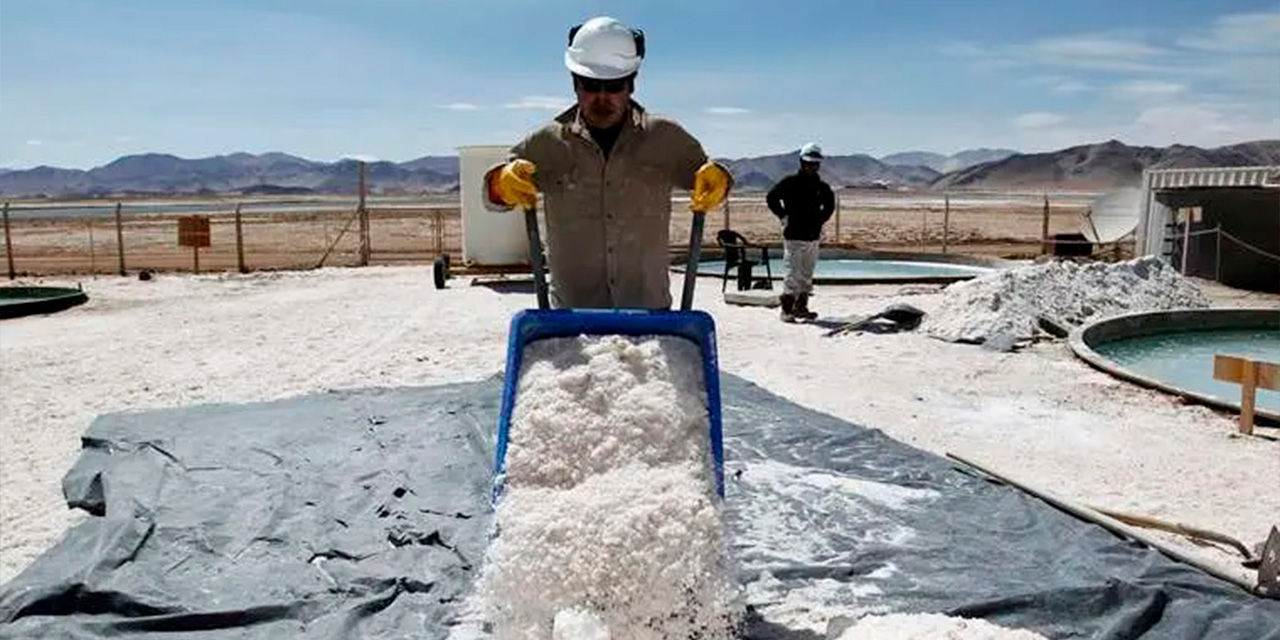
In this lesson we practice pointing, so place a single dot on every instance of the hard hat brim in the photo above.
(601, 71)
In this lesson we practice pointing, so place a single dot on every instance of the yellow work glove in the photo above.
(513, 184)
(710, 187)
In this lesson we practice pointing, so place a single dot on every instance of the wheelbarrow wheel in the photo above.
(440, 270)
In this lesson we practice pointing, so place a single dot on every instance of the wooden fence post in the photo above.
(120, 239)
(365, 249)
(837, 218)
(1044, 228)
(924, 228)
(946, 222)
(239, 243)
(8, 241)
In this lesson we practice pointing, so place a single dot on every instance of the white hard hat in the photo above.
(605, 49)
(811, 152)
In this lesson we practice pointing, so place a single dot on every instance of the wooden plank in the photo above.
(1267, 375)
(1232, 369)
(1250, 375)
(1228, 368)
(1248, 396)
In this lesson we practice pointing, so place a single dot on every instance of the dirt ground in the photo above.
(999, 224)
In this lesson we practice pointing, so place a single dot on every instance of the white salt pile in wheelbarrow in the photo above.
(609, 511)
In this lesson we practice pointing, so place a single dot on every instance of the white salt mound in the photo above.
(579, 624)
(1007, 303)
(589, 404)
(609, 525)
(931, 626)
(642, 548)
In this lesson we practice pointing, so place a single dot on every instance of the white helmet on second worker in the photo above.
(811, 152)
(605, 49)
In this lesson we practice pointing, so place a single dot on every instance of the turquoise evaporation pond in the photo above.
(1185, 358)
(855, 268)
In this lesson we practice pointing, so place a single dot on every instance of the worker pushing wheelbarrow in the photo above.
(607, 169)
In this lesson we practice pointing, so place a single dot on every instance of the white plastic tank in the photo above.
(489, 238)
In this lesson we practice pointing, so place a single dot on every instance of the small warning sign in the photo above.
(193, 231)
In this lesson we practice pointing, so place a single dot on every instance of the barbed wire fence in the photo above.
(247, 237)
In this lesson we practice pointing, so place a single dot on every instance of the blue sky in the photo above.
(83, 82)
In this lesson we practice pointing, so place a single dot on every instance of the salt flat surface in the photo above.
(1039, 414)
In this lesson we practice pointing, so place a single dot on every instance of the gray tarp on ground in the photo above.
(364, 515)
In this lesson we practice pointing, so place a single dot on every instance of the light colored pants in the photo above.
(800, 257)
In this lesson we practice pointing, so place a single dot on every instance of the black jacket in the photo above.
(805, 201)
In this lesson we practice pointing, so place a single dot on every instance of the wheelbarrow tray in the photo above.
(531, 325)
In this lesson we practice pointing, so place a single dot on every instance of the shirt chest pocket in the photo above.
(646, 190)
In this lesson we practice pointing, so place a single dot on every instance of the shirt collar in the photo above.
(571, 119)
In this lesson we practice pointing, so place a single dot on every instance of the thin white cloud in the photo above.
(1197, 124)
(545, 103)
(1102, 52)
(1038, 120)
(726, 111)
(124, 138)
(1066, 87)
(1239, 33)
(1182, 122)
(1146, 89)
(459, 106)
(1101, 46)
(34, 143)
(1112, 52)
(961, 49)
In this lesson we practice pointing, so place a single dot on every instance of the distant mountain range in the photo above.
(268, 173)
(1103, 166)
(947, 164)
(1088, 167)
(843, 171)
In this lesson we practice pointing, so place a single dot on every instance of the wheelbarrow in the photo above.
(536, 324)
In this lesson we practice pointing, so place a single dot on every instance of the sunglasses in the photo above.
(593, 85)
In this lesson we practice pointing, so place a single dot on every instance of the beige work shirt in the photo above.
(608, 222)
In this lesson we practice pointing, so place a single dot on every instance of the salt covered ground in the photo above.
(1038, 414)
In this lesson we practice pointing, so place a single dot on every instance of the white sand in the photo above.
(1039, 414)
